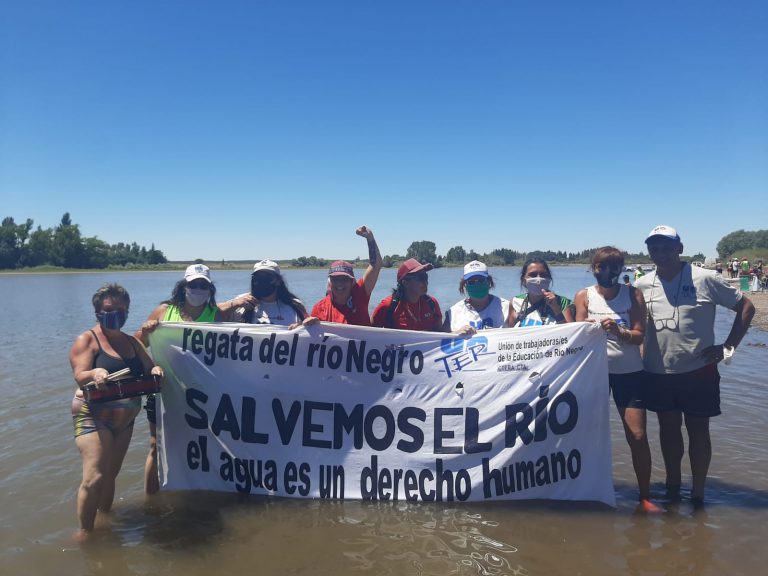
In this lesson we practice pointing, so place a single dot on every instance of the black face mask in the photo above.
(606, 279)
(261, 288)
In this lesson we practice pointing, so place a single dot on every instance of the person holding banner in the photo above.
(346, 301)
(480, 309)
(192, 300)
(680, 354)
(409, 307)
(103, 430)
(269, 301)
(620, 310)
(538, 305)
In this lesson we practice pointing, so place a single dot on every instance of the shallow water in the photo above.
(199, 533)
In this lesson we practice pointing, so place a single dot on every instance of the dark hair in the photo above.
(534, 260)
(114, 291)
(178, 298)
(463, 283)
(610, 255)
(283, 295)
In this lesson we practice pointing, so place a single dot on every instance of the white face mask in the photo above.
(196, 296)
(536, 285)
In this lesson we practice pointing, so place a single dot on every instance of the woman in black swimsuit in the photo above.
(103, 431)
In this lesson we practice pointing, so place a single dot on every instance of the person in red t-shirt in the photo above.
(409, 307)
(347, 301)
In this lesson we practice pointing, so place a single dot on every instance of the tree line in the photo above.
(64, 245)
(742, 240)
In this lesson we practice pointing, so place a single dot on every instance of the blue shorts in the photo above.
(628, 389)
(694, 393)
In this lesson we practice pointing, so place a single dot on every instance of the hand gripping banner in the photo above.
(348, 412)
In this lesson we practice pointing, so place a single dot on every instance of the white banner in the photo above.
(347, 412)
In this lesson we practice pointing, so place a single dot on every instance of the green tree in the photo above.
(456, 255)
(39, 248)
(424, 251)
(67, 244)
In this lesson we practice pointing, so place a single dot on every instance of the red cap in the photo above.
(412, 266)
(342, 268)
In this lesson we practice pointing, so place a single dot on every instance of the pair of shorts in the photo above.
(695, 393)
(628, 390)
(115, 416)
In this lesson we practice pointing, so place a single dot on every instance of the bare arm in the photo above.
(511, 316)
(81, 357)
(580, 300)
(149, 325)
(371, 275)
(745, 310)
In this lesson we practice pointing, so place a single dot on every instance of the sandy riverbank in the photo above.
(760, 300)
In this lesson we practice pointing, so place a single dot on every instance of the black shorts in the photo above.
(150, 408)
(628, 389)
(694, 393)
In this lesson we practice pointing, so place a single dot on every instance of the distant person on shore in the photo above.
(735, 268)
(346, 301)
(538, 305)
(409, 307)
(480, 309)
(269, 301)
(680, 354)
(103, 430)
(744, 267)
(192, 300)
(626, 281)
(620, 311)
(718, 267)
(638, 272)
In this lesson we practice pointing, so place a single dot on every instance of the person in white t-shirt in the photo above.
(620, 311)
(680, 354)
(269, 301)
(480, 309)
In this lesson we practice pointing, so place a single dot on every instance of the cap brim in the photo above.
(197, 277)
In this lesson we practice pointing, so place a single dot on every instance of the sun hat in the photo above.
(412, 266)
(195, 271)
(663, 232)
(341, 268)
(475, 268)
(266, 266)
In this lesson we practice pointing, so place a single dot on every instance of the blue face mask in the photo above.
(113, 320)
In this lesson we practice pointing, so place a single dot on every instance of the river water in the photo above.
(196, 533)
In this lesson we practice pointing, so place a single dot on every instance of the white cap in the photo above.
(475, 268)
(267, 265)
(196, 271)
(664, 232)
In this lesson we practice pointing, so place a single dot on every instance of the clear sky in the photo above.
(255, 129)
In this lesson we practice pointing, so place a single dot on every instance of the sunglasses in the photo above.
(477, 280)
(199, 284)
(417, 276)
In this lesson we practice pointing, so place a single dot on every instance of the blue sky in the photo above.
(247, 130)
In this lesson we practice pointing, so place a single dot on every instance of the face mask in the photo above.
(113, 320)
(196, 296)
(536, 285)
(478, 291)
(262, 288)
(606, 279)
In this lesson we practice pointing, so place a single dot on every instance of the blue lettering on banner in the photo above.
(460, 354)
